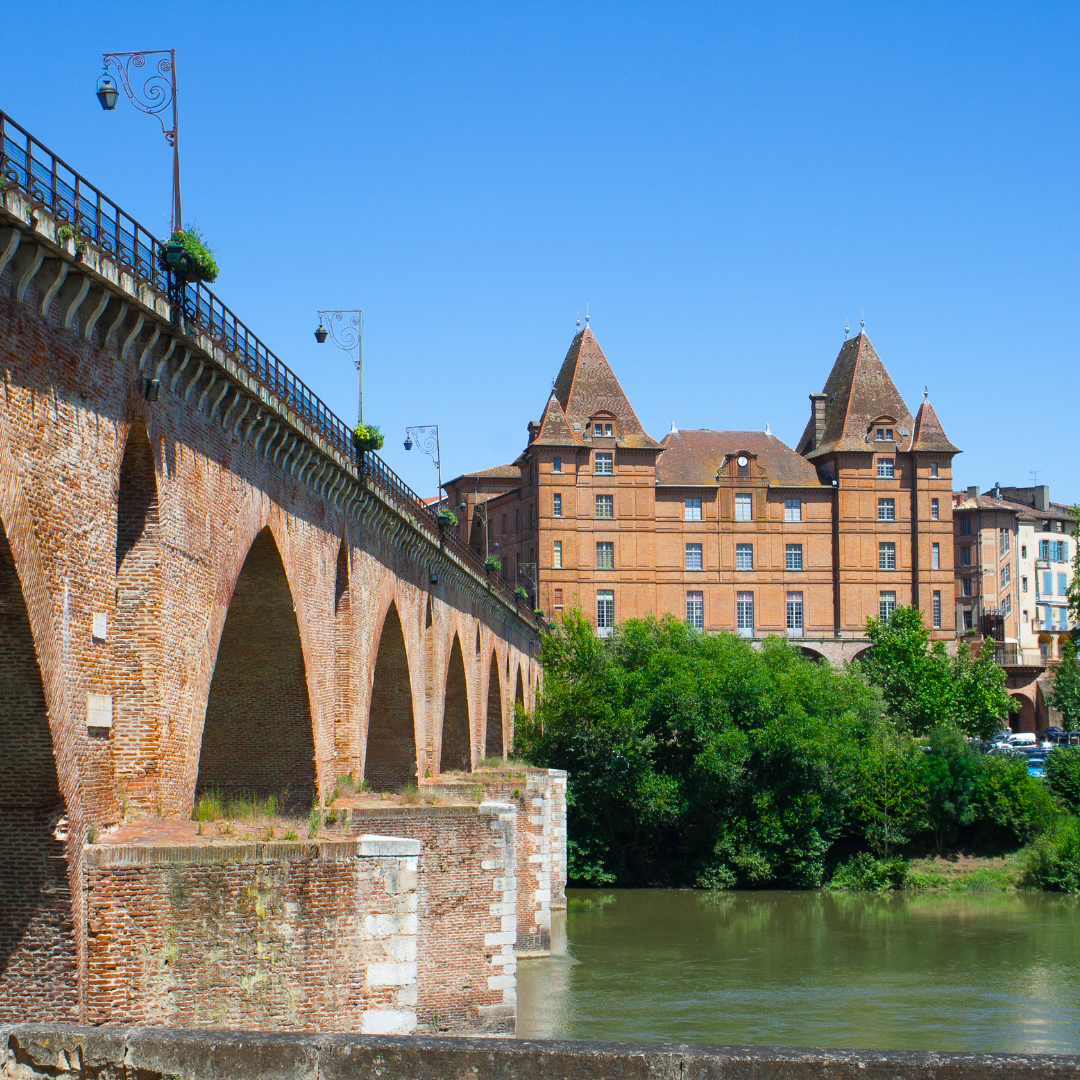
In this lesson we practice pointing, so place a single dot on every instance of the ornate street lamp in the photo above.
(156, 95)
(345, 330)
(427, 439)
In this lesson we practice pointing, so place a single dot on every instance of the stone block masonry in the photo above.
(308, 936)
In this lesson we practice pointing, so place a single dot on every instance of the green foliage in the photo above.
(864, 873)
(492, 564)
(889, 792)
(1062, 771)
(447, 518)
(521, 593)
(1053, 861)
(1072, 592)
(197, 261)
(65, 232)
(1011, 807)
(368, 437)
(949, 775)
(924, 687)
(1065, 694)
(209, 806)
(314, 821)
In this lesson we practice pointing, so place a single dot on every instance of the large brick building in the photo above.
(729, 529)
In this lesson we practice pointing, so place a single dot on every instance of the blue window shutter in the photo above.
(1061, 585)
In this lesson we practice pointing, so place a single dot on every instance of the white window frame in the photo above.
(886, 509)
(935, 511)
(744, 506)
(608, 549)
(793, 509)
(692, 508)
(793, 553)
(556, 504)
(742, 551)
(699, 557)
(695, 609)
(794, 610)
(935, 556)
(886, 468)
(886, 604)
(609, 503)
(936, 614)
(605, 612)
(556, 555)
(886, 555)
(603, 463)
(744, 614)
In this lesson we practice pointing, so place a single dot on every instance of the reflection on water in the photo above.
(977, 972)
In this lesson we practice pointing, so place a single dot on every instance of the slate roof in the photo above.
(554, 427)
(929, 435)
(859, 390)
(692, 458)
(586, 385)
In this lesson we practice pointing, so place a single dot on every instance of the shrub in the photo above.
(1053, 860)
(1011, 806)
(197, 261)
(1063, 775)
(864, 873)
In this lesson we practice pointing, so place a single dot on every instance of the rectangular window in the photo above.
(965, 525)
(793, 557)
(604, 464)
(969, 620)
(886, 509)
(884, 434)
(1062, 584)
(935, 556)
(965, 556)
(556, 555)
(1044, 549)
(605, 611)
(1023, 584)
(556, 465)
(744, 556)
(935, 513)
(1023, 551)
(886, 604)
(937, 609)
(1061, 553)
(695, 610)
(605, 506)
(965, 586)
(1006, 605)
(1003, 541)
(607, 430)
(692, 509)
(556, 504)
(885, 468)
(886, 558)
(793, 509)
(558, 597)
(1006, 575)
(693, 557)
(744, 507)
(933, 468)
(794, 614)
(744, 614)
(605, 555)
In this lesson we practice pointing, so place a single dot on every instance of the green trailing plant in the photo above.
(65, 232)
(368, 437)
(447, 518)
(195, 261)
(520, 593)
(492, 564)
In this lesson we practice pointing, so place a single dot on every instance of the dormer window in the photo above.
(884, 434)
(602, 430)
(742, 463)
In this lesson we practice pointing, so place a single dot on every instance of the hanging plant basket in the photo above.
(368, 437)
(447, 519)
(492, 564)
(187, 256)
(521, 594)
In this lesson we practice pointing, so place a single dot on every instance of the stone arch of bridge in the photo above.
(455, 744)
(494, 732)
(41, 809)
(519, 692)
(136, 636)
(258, 729)
(390, 759)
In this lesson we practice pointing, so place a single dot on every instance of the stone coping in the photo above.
(29, 1051)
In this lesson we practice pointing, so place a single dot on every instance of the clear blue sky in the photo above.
(725, 184)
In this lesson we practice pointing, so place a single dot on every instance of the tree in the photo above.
(924, 687)
(1072, 593)
(1065, 693)
(891, 792)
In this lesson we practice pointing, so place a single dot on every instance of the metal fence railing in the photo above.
(50, 183)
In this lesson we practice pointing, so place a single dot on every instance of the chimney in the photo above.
(817, 414)
(1041, 493)
(973, 492)
(997, 490)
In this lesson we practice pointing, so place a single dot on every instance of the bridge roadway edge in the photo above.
(32, 1051)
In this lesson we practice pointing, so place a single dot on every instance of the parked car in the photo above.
(1036, 765)
(1023, 739)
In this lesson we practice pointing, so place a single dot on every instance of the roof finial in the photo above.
(926, 391)
(847, 331)
(862, 319)
(578, 323)
(767, 430)
(586, 314)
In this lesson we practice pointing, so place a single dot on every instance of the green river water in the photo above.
(959, 971)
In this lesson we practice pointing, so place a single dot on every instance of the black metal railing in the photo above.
(49, 182)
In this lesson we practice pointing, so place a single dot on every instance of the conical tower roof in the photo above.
(859, 391)
(929, 434)
(586, 386)
(554, 429)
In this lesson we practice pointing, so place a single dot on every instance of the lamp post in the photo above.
(427, 441)
(157, 94)
(345, 330)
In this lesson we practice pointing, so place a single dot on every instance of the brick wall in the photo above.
(390, 763)
(467, 878)
(456, 744)
(258, 731)
(495, 745)
(318, 936)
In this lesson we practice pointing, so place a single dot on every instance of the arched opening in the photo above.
(519, 695)
(341, 581)
(478, 641)
(811, 654)
(136, 622)
(38, 970)
(257, 737)
(1025, 719)
(456, 744)
(494, 741)
(862, 653)
(390, 762)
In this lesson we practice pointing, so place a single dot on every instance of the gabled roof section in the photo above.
(554, 428)
(859, 390)
(929, 435)
(586, 385)
(692, 458)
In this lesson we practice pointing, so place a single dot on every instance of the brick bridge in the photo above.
(202, 583)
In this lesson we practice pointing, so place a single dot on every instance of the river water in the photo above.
(959, 971)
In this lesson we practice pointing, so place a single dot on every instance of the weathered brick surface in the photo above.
(217, 564)
(262, 936)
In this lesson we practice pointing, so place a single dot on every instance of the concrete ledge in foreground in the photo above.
(29, 1051)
